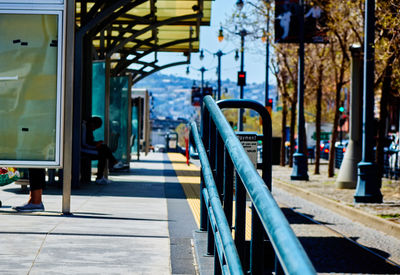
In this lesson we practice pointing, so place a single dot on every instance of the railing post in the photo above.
(228, 187)
(205, 133)
(240, 218)
(219, 166)
(256, 244)
(211, 157)
(217, 263)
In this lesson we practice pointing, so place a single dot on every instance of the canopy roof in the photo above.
(128, 30)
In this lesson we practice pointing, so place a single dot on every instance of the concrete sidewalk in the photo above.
(121, 228)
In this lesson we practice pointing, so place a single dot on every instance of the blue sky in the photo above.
(254, 60)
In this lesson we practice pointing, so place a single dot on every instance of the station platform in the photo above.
(138, 224)
(145, 222)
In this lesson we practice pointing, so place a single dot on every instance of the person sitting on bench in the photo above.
(97, 149)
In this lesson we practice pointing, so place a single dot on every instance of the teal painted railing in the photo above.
(273, 247)
(221, 229)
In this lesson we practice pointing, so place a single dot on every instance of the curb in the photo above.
(205, 264)
(353, 214)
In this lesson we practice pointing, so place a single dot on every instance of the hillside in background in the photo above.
(171, 95)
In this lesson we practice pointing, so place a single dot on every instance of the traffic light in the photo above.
(270, 102)
(342, 120)
(196, 96)
(269, 105)
(241, 79)
(208, 91)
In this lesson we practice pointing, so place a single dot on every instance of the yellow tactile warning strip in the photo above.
(189, 178)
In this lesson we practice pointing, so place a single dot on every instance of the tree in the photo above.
(387, 68)
(317, 62)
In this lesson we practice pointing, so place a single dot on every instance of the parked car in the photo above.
(324, 149)
(159, 148)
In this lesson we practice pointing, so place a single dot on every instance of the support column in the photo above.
(68, 110)
(347, 178)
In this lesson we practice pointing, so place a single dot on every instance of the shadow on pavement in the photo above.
(336, 254)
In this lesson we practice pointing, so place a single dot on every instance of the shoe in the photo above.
(30, 207)
(103, 181)
(118, 165)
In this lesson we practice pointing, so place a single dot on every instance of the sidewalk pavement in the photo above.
(120, 228)
(322, 190)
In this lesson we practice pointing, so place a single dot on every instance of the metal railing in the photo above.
(222, 155)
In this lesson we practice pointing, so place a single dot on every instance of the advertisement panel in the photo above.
(30, 88)
(287, 14)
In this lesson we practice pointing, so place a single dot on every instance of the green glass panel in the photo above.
(99, 95)
(119, 116)
(135, 124)
(98, 98)
(28, 86)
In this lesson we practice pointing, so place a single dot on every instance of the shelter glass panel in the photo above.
(135, 123)
(98, 98)
(119, 104)
(99, 95)
(30, 89)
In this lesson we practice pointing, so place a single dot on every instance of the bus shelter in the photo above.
(53, 53)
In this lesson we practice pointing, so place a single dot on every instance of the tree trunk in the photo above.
(292, 128)
(386, 91)
(331, 164)
(284, 120)
(318, 123)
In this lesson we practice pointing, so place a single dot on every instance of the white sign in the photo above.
(249, 143)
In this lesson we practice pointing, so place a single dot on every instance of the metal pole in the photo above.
(202, 70)
(68, 114)
(242, 35)
(267, 65)
(369, 184)
(300, 159)
(219, 54)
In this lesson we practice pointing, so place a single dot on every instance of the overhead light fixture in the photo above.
(264, 36)
(239, 4)
(237, 55)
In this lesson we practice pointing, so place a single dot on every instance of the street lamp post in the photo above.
(369, 182)
(300, 158)
(265, 38)
(267, 68)
(219, 54)
(242, 34)
(202, 70)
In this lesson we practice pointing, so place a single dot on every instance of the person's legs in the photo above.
(105, 153)
(36, 183)
(101, 164)
(37, 178)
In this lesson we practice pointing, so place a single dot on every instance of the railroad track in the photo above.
(330, 249)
